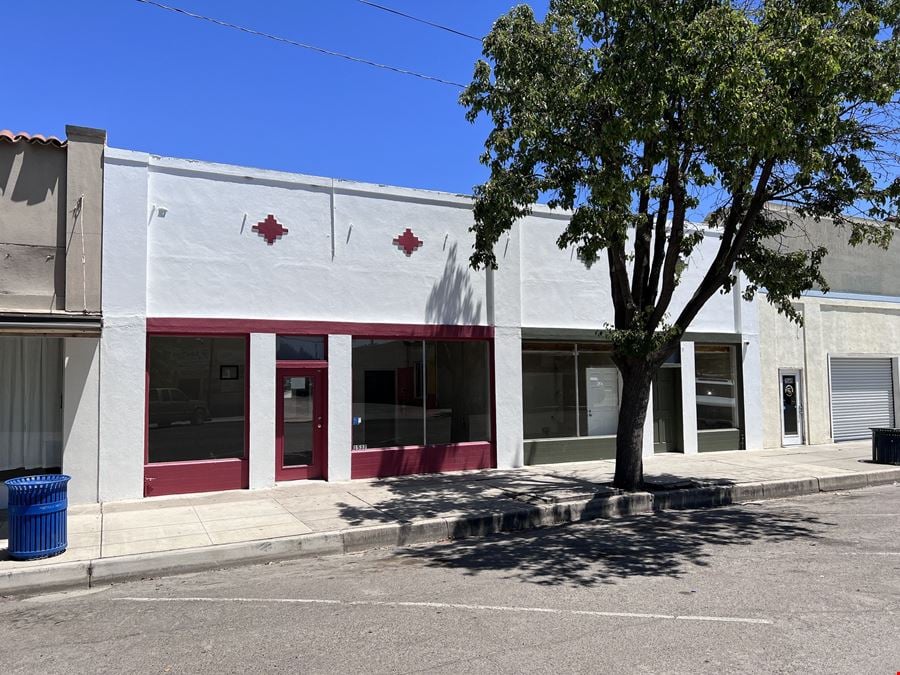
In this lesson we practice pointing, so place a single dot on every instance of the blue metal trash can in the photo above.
(37, 516)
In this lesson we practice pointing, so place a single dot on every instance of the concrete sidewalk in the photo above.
(175, 534)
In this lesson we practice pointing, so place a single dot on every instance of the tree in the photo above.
(632, 113)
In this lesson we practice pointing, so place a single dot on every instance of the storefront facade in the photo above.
(705, 397)
(50, 306)
(837, 376)
(263, 327)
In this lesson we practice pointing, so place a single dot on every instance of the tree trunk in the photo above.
(637, 379)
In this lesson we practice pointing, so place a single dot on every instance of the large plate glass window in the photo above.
(388, 400)
(416, 393)
(715, 368)
(457, 402)
(569, 390)
(197, 398)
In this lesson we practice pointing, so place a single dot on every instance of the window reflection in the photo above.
(296, 348)
(414, 392)
(298, 397)
(196, 407)
(458, 392)
(716, 378)
(388, 407)
(569, 390)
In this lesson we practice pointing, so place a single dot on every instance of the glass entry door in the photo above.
(791, 408)
(300, 435)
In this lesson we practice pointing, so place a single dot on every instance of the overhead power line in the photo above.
(294, 43)
(417, 19)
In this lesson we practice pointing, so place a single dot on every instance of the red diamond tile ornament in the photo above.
(270, 229)
(408, 242)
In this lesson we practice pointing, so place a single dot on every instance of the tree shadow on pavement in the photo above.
(664, 544)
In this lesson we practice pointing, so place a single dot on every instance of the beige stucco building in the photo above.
(51, 205)
(836, 376)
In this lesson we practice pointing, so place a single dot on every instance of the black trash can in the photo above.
(37, 516)
(886, 446)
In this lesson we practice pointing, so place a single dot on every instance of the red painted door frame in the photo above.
(318, 469)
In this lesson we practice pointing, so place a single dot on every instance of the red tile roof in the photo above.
(38, 139)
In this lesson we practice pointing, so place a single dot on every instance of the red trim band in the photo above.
(381, 462)
(209, 475)
(177, 325)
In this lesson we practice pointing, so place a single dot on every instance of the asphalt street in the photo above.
(802, 585)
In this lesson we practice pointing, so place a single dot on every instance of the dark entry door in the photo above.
(301, 423)
(667, 411)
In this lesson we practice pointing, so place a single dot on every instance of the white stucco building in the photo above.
(262, 326)
(250, 326)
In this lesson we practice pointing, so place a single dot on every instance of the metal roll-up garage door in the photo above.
(862, 397)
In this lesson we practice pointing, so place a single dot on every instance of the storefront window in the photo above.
(31, 424)
(458, 392)
(717, 389)
(598, 392)
(548, 393)
(413, 392)
(569, 390)
(196, 398)
(388, 405)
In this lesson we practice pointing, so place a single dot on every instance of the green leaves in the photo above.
(623, 111)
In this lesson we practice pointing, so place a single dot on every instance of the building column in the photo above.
(340, 406)
(262, 410)
(81, 417)
(84, 217)
(688, 399)
(123, 408)
(123, 344)
(818, 386)
(751, 372)
(508, 420)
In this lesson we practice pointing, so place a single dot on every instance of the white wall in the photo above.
(178, 242)
(340, 406)
(206, 261)
(508, 392)
(123, 343)
(81, 442)
(560, 291)
(688, 398)
(262, 410)
(832, 327)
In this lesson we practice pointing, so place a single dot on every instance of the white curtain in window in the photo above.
(30, 402)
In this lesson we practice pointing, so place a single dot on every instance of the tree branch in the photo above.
(659, 243)
(618, 277)
(729, 249)
(642, 235)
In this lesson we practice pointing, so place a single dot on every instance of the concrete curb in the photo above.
(433, 530)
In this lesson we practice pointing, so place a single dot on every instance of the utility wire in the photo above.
(294, 43)
(415, 18)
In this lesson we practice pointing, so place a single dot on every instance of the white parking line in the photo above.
(448, 605)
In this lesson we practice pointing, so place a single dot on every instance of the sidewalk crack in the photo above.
(380, 510)
(203, 525)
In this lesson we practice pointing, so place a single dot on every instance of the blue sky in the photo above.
(176, 86)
